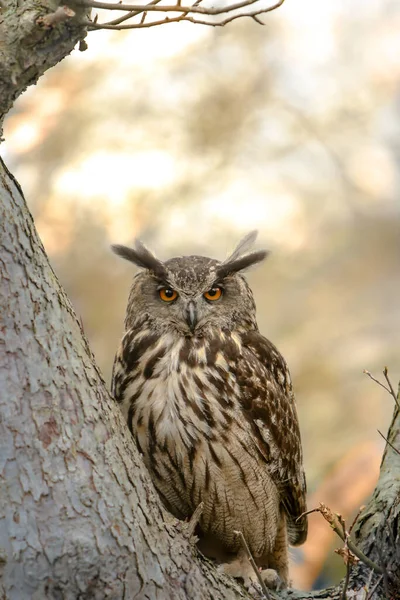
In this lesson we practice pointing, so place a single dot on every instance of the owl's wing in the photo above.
(268, 402)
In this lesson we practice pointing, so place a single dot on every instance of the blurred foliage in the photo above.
(189, 137)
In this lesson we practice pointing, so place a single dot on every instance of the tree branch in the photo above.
(392, 392)
(179, 13)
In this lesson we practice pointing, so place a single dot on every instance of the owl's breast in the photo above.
(181, 393)
(183, 407)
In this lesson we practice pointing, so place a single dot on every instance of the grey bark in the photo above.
(78, 514)
(79, 517)
(28, 46)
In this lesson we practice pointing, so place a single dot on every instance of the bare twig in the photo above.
(392, 392)
(253, 564)
(165, 8)
(389, 389)
(347, 555)
(336, 522)
(387, 441)
(178, 11)
(372, 591)
(308, 512)
(356, 517)
(376, 380)
(369, 580)
(346, 581)
(194, 519)
(130, 14)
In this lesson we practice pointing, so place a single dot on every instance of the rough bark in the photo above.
(29, 46)
(78, 514)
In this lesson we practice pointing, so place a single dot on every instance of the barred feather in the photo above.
(201, 415)
(212, 410)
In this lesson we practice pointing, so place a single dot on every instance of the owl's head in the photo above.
(192, 293)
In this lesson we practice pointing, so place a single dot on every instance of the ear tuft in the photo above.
(243, 246)
(240, 259)
(141, 257)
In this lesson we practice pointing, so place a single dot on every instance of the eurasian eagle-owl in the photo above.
(210, 404)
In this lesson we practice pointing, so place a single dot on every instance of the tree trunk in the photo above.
(32, 41)
(79, 517)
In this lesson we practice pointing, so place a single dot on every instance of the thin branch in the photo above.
(356, 517)
(179, 13)
(376, 380)
(336, 522)
(346, 581)
(373, 589)
(168, 7)
(308, 512)
(253, 564)
(387, 441)
(193, 521)
(389, 389)
(94, 26)
(130, 14)
(347, 556)
(392, 392)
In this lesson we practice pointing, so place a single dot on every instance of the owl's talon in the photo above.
(271, 579)
(240, 568)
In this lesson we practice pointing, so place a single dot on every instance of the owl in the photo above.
(209, 402)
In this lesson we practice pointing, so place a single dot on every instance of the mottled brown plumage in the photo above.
(209, 402)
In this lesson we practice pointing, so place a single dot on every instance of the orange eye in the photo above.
(167, 294)
(213, 294)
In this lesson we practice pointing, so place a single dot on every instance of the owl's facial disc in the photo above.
(193, 294)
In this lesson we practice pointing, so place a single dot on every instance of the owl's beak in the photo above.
(191, 315)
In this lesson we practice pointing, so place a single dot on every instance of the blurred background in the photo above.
(188, 137)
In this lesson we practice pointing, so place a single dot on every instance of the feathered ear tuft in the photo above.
(243, 246)
(141, 257)
(239, 260)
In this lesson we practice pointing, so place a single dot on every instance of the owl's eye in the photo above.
(167, 294)
(213, 294)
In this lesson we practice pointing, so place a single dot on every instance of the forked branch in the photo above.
(337, 523)
(155, 13)
(389, 389)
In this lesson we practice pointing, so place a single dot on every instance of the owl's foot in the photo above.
(271, 579)
(240, 568)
